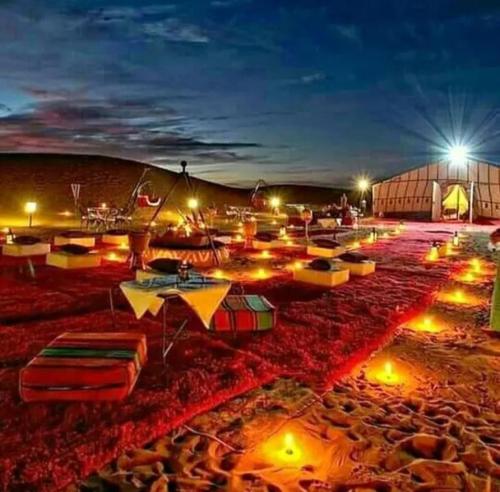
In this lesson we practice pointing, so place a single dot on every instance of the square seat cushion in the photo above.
(244, 313)
(88, 241)
(314, 250)
(85, 367)
(68, 261)
(23, 250)
(324, 278)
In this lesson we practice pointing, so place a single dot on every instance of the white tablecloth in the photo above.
(202, 294)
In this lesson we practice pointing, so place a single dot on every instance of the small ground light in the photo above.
(275, 202)
(387, 375)
(30, 208)
(193, 203)
(475, 264)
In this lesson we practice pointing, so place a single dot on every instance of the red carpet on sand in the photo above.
(320, 335)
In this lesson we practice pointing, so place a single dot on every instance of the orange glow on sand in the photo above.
(467, 277)
(475, 265)
(113, 257)
(285, 449)
(425, 324)
(387, 375)
(388, 372)
(458, 296)
(261, 274)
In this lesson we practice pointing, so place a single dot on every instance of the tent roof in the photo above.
(483, 161)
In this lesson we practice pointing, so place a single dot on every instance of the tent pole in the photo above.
(471, 202)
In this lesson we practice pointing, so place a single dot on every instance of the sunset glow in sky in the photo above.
(291, 91)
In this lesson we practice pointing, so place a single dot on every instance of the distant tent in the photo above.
(441, 190)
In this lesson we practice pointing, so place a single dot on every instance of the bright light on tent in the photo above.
(458, 154)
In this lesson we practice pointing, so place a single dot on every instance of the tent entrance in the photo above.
(455, 204)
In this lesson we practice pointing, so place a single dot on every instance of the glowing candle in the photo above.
(433, 254)
(261, 274)
(456, 240)
(123, 246)
(289, 442)
(355, 245)
(112, 257)
(289, 242)
(388, 375)
(265, 254)
(475, 265)
(298, 265)
(238, 238)
(468, 277)
(458, 296)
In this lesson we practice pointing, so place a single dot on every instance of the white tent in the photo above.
(429, 191)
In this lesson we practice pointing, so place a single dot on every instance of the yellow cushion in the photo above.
(256, 244)
(61, 259)
(329, 278)
(111, 239)
(86, 241)
(325, 252)
(26, 249)
(357, 269)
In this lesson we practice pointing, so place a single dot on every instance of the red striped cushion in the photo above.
(244, 313)
(85, 366)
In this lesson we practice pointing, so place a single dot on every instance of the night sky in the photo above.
(312, 91)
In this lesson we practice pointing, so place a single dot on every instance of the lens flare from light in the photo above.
(458, 154)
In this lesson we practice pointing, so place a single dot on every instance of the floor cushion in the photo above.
(85, 367)
(244, 313)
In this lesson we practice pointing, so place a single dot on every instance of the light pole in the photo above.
(363, 186)
(30, 209)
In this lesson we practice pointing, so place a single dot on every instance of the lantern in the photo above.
(307, 216)
(138, 243)
(249, 230)
(433, 253)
